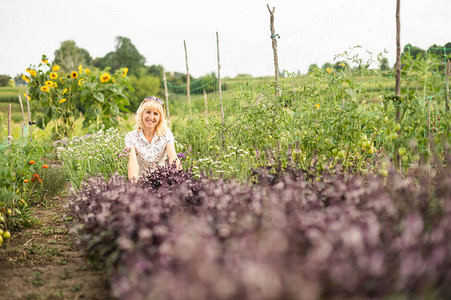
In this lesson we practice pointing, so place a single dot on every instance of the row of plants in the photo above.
(329, 118)
(289, 236)
(27, 178)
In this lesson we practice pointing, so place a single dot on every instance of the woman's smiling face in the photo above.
(151, 118)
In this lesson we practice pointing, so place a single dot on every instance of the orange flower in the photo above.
(31, 162)
(45, 166)
(35, 175)
(25, 180)
(40, 180)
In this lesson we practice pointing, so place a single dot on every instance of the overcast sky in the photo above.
(310, 31)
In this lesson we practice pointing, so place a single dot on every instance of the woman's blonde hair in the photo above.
(161, 127)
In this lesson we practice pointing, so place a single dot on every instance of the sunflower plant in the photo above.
(61, 98)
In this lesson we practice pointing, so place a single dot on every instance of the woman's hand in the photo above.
(133, 168)
(172, 155)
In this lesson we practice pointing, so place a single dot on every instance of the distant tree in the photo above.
(125, 55)
(69, 56)
(340, 65)
(155, 70)
(144, 86)
(383, 64)
(4, 80)
(18, 81)
(326, 65)
(312, 68)
(415, 52)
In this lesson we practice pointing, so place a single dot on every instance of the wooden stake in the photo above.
(398, 50)
(9, 124)
(447, 75)
(206, 108)
(219, 80)
(274, 38)
(166, 95)
(23, 115)
(397, 157)
(28, 109)
(187, 79)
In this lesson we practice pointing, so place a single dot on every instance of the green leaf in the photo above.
(99, 97)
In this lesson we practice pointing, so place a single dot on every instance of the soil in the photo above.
(43, 263)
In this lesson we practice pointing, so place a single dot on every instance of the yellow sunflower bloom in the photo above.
(54, 84)
(65, 91)
(33, 73)
(53, 75)
(80, 82)
(49, 83)
(62, 100)
(45, 88)
(105, 77)
(55, 68)
(80, 69)
(125, 70)
(27, 70)
(74, 74)
(24, 77)
(25, 95)
(87, 71)
(328, 70)
(317, 105)
(44, 60)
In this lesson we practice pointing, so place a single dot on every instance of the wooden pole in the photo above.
(447, 75)
(166, 95)
(398, 50)
(398, 77)
(206, 108)
(187, 79)
(23, 115)
(274, 38)
(9, 124)
(219, 80)
(28, 109)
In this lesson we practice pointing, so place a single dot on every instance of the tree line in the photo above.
(441, 52)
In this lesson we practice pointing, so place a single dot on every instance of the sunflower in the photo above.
(24, 77)
(53, 75)
(49, 83)
(62, 100)
(44, 60)
(105, 77)
(80, 82)
(74, 74)
(87, 71)
(54, 84)
(65, 91)
(125, 70)
(33, 73)
(80, 69)
(45, 88)
(55, 68)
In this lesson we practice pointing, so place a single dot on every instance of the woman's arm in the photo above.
(172, 155)
(133, 168)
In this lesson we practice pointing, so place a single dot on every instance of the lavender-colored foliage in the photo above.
(287, 237)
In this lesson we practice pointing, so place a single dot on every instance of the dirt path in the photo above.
(43, 263)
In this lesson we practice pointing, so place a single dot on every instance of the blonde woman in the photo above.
(151, 142)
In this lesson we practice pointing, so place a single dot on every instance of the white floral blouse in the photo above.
(149, 155)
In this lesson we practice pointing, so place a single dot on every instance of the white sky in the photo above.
(310, 31)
